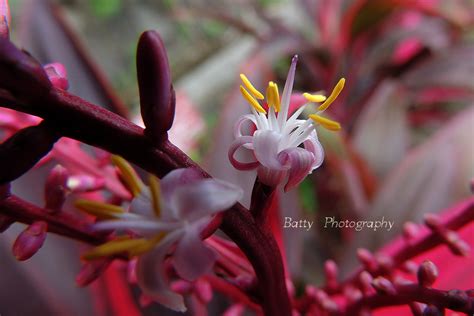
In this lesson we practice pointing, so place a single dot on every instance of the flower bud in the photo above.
(365, 279)
(331, 271)
(57, 74)
(203, 291)
(55, 189)
(91, 271)
(367, 259)
(157, 98)
(30, 241)
(384, 286)
(21, 74)
(427, 273)
(457, 246)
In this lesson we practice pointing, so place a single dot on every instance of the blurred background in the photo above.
(407, 115)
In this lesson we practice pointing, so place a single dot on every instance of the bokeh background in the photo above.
(407, 115)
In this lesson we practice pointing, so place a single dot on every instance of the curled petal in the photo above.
(266, 143)
(240, 123)
(313, 145)
(192, 257)
(245, 141)
(301, 164)
(204, 198)
(151, 275)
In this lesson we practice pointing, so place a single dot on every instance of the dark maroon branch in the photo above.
(76, 118)
(60, 223)
(25, 148)
(406, 294)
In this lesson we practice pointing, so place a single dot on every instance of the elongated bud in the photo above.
(384, 286)
(4, 19)
(203, 291)
(57, 74)
(91, 271)
(331, 271)
(56, 188)
(24, 149)
(30, 241)
(21, 74)
(157, 99)
(427, 273)
(367, 259)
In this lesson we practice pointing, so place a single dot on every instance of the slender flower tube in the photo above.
(173, 211)
(277, 139)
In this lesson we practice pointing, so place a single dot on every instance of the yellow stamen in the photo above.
(155, 192)
(327, 123)
(128, 174)
(146, 246)
(250, 87)
(275, 96)
(99, 209)
(334, 94)
(314, 97)
(251, 100)
(114, 247)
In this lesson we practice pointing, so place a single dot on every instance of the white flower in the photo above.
(277, 139)
(172, 212)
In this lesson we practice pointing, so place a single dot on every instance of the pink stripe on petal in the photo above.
(241, 142)
(192, 257)
(270, 177)
(301, 164)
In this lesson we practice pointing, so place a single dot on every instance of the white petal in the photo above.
(142, 204)
(143, 227)
(285, 98)
(266, 145)
(192, 257)
(203, 198)
(151, 275)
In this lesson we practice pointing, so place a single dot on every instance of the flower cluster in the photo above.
(276, 139)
